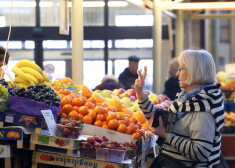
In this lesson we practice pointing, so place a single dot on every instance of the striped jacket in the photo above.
(196, 137)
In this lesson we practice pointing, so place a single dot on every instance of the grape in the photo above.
(3, 91)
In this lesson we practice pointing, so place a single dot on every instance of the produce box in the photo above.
(11, 134)
(23, 120)
(5, 151)
(110, 134)
(75, 162)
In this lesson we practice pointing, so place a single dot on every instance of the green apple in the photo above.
(107, 100)
(135, 108)
(124, 95)
(107, 93)
(99, 92)
(114, 97)
(127, 101)
(153, 98)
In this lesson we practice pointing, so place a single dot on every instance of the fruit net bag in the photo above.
(26, 106)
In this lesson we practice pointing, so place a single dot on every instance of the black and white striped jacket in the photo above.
(196, 137)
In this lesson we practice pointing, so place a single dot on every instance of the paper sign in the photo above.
(5, 151)
(49, 118)
(230, 70)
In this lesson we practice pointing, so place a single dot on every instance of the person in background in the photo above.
(2, 53)
(192, 135)
(109, 82)
(171, 86)
(129, 75)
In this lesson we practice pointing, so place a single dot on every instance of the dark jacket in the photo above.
(109, 85)
(127, 78)
(171, 87)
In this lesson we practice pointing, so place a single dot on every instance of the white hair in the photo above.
(200, 64)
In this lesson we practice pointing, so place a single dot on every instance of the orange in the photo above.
(126, 121)
(138, 124)
(134, 120)
(121, 128)
(147, 126)
(100, 117)
(56, 88)
(128, 111)
(110, 116)
(87, 119)
(76, 108)
(117, 104)
(105, 126)
(63, 115)
(99, 109)
(113, 124)
(66, 80)
(141, 132)
(83, 110)
(120, 116)
(86, 92)
(80, 116)
(92, 113)
(136, 136)
(89, 105)
(121, 122)
(67, 108)
(133, 128)
(92, 100)
(84, 100)
(73, 114)
(128, 130)
(77, 102)
(139, 115)
(98, 123)
(65, 100)
(104, 123)
(66, 92)
(99, 98)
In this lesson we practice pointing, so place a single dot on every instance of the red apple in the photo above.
(131, 92)
(97, 139)
(91, 140)
(133, 98)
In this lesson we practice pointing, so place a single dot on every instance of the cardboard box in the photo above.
(110, 134)
(75, 162)
(23, 120)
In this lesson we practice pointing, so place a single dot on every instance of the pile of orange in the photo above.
(91, 109)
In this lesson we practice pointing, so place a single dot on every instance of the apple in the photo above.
(99, 92)
(135, 107)
(115, 91)
(127, 101)
(154, 98)
(133, 98)
(121, 90)
(107, 100)
(97, 139)
(103, 144)
(125, 94)
(115, 97)
(131, 92)
(107, 93)
(104, 138)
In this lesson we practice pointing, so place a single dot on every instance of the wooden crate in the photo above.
(56, 142)
(69, 161)
(12, 134)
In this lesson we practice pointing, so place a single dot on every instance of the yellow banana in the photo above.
(32, 78)
(20, 73)
(46, 79)
(19, 79)
(21, 85)
(28, 63)
(33, 72)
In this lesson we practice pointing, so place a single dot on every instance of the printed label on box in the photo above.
(5, 151)
(11, 134)
(9, 119)
(68, 161)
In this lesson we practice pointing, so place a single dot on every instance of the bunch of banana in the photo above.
(28, 73)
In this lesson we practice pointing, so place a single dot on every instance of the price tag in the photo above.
(49, 118)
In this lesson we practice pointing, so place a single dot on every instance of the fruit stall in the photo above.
(228, 91)
(63, 124)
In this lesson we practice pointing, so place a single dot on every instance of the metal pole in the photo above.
(77, 41)
(157, 47)
(179, 36)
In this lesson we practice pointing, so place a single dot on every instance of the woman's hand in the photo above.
(140, 82)
(160, 130)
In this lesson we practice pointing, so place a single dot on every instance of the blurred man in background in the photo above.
(129, 75)
(2, 53)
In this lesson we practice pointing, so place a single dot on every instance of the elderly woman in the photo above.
(193, 136)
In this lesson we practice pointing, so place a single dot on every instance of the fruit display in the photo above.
(69, 128)
(28, 73)
(229, 119)
(3, 96)
(65, 83)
